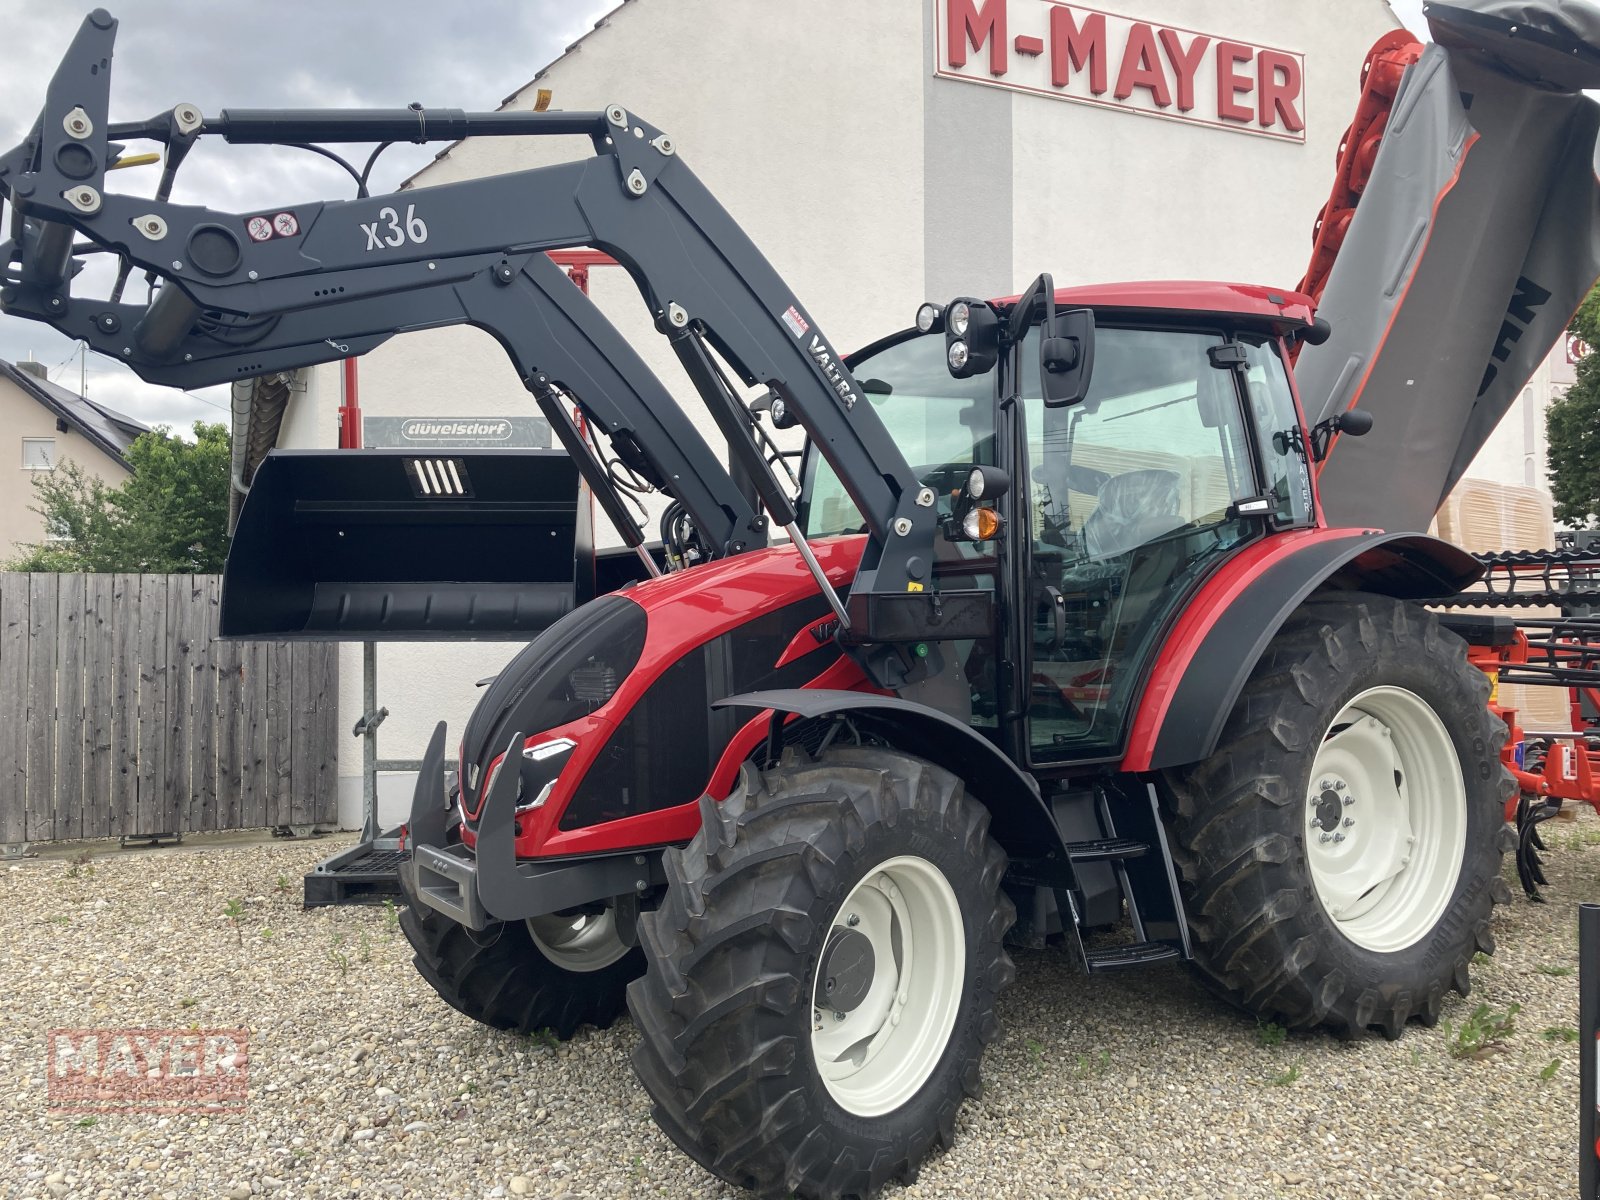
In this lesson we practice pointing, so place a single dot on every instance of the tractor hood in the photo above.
(1475, 240)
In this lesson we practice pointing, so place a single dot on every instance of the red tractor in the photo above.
(1061, 647)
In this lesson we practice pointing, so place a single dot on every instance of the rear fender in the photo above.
(1018, 817)
(1202, 669)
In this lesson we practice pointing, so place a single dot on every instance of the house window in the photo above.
(38, 454)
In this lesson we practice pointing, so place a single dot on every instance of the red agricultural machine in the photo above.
(1084, 631)
(1550, 766)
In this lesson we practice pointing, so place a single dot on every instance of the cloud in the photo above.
(1410, 13)
(286, 54)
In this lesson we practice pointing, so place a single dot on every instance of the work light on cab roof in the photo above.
(972, 337)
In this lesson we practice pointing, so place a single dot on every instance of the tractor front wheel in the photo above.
(822, 974)
(555, 973)
(1341, 849)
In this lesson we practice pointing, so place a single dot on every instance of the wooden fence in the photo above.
(122, 714)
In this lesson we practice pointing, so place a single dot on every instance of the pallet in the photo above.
(366, 873)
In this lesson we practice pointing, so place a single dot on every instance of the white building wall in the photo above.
(870, 185)
(1103, 196)
(1518, 452)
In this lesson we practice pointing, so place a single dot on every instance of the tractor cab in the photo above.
(1183, 443)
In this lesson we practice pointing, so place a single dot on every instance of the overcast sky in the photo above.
(275, 53)
(278, 53)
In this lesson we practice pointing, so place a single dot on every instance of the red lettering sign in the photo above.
(1281, 84)
(1230, 84)
(1089, 56)
(968, 24)
(1074, 46)
(1185, 63)
(1141, 67)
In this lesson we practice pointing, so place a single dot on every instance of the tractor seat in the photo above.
(1131, 509)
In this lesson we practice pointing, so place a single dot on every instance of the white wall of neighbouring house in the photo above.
(876, 173)
(29, 437)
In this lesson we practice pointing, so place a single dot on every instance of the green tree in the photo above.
(1586, 322)
(169, 516)
(1572, 427)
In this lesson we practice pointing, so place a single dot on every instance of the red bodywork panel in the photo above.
(684, 610)
(1225, 586)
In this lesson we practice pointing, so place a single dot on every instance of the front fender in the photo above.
(1216, 643)
(1018, 816)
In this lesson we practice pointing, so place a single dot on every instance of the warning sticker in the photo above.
(267, 226)
(796, 323)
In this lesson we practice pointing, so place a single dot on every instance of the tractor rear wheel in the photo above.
(1340, 852)
(555, 973)
(823, 973)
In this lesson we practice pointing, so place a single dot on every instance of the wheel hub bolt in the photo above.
(1325, 838)
(1338, 837)
(1349, 822)
(1349, 800)
(852, 920)
(1338, 785)
(1325, 785)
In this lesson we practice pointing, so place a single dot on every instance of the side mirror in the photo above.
(1066, 356)
(1066, 342)
(1314, 334)
(1356, 422)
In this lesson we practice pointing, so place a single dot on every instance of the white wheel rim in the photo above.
(1386, 819)
(875, 1057)
(583, 943)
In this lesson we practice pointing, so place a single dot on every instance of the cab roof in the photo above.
(1280, 308)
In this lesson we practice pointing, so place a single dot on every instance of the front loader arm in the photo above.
(241, 294)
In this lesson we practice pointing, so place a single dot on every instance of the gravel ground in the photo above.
(363, 1083)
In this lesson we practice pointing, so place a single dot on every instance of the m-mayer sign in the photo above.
(1070, 52)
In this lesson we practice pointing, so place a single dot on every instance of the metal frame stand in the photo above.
(1588, 1032)
(368, 872)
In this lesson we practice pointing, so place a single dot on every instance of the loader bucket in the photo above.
(398, 545)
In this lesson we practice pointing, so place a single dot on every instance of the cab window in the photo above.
(943, 426)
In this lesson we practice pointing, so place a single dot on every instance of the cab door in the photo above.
(1130, 501)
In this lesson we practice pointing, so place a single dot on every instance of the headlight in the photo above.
(975, 484)
(927, 318)
(958, 355)
(779, 410)
(539, 779)
(548, 749)
(960, 318)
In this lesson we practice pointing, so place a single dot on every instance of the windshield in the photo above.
(942, 425)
